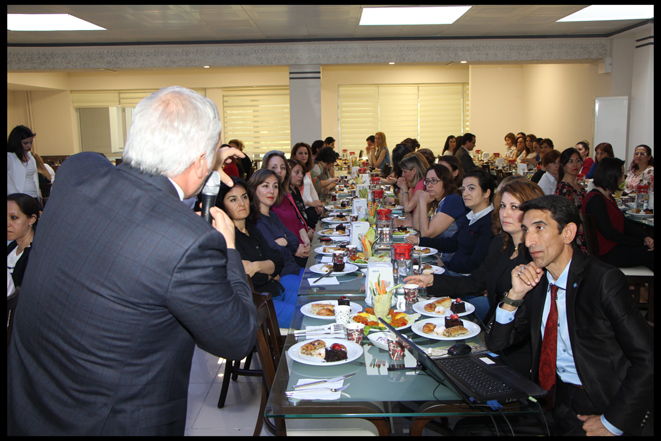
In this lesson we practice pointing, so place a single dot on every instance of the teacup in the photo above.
(355, 332)
(342, 313)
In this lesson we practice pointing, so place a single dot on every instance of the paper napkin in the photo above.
(328, 280)
(320, 394)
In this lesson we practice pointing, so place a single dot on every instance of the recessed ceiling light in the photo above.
(464, 62)
(611, 12)
(49, 22)
(206, 67)
(392, 62)
(433, 15)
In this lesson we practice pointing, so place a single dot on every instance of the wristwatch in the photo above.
(515, 303)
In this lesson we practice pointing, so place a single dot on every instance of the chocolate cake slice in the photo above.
(453, 320)
(458, 306)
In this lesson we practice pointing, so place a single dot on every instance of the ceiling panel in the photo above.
(190, 23)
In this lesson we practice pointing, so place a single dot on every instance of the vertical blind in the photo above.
(427, 112)
(258, 117)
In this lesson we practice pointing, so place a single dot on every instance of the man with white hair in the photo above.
(125, 280)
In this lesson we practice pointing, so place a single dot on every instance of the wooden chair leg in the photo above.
(226, 383)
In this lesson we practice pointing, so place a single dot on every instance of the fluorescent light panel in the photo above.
(434, 15)
(49, 22)
(611, 12)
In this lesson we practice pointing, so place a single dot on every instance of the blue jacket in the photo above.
(470, 244)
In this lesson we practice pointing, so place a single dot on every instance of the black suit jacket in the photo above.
(21, 263)
(465, 159)
(123, 281)
(611, 342)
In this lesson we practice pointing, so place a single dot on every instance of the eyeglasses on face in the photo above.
(432, 181)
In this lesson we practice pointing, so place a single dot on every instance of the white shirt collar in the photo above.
(180, 192)
(561, 283)
(474, 217)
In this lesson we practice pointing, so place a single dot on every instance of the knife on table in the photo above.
(332, 380)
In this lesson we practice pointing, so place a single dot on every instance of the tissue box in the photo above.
(378, 271)
(358, 229)
(357, 203)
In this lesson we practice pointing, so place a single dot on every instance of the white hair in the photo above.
(170, 129)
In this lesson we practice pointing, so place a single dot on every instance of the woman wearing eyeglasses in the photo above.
(641, 171)
(471, 241)
(439, 206)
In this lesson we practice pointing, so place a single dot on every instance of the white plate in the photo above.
(348, 268)
(473, 329)
(431, 252)
(639, 215)
(329, 220)
(374, 336)
(336, 208)
(305, 309)
(420, 307)
(409, 231)
(397, 207)
(436, 269)
(320, 250)
(354, 351)
(399, 329)
(323, 233)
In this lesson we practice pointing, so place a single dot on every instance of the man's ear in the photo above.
(569, 232)
(200, 166)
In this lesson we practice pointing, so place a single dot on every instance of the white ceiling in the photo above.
(134, 24)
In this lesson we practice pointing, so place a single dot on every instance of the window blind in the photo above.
(258, 117)
(427, 112)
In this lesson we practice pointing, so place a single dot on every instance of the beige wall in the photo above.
(17, 110)
(553, 100)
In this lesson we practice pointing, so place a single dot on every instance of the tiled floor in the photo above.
(203, 417)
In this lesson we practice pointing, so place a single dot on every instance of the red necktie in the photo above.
(549, 345)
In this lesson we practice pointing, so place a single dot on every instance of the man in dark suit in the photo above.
(467, 144)
(599, 368)
(124, 280)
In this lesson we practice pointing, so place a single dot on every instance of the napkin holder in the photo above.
(500, 162)
(522, 169)
(378, 271)
(358, 229)
(354, 172)
(357, 203)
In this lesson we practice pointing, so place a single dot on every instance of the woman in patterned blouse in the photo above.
(641, 171)
(568, 186)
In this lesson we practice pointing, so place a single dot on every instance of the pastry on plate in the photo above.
(316, 348)
(455, 331)
(324, 309)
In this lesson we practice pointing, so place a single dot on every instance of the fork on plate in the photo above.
(318, 389)
(332, 328)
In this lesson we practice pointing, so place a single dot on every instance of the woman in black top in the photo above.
(506, 251)
(262, 263)
(22, 217)
(297, 173)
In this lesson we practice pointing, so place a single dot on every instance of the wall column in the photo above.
(305, 102)
(641, 114)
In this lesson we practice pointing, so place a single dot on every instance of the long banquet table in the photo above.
(380, 390)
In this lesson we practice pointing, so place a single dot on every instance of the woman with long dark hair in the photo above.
(22, 174)
(23, 213)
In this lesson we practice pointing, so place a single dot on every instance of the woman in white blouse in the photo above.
(549, 181)
(21, 166)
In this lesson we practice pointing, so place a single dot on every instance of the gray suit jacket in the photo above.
(123, 281)
(465, 159)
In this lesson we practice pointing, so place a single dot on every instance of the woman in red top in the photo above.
(568, 186)
(620, 243)
(584, 150)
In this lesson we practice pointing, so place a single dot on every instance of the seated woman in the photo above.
(641, 170)
(568, 186)
(263, 264)
(22, 217)
(439, 207)
(413, 166)
(314, 207)
(471, 241)
(602, 150)
(549, 180)
(264, 186)
(583, 149)
(378, 155)
(620, 243)
(321, 173)
(285, 205)
(506, 251)
(296, 175)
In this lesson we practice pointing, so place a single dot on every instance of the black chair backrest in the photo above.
(590, 232)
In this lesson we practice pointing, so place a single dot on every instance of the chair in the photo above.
(637, 276)
(233, 367)
(12, 301)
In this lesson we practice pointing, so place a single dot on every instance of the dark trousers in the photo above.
(624, 256)
(570, 401)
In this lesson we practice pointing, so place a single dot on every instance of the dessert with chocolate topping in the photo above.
(453, 320)
(458, 306)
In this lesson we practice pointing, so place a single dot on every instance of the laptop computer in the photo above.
(477, 377)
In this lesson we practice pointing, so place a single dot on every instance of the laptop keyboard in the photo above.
(474, 376)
